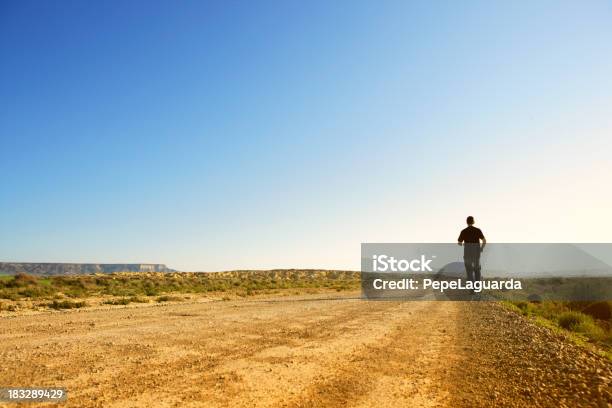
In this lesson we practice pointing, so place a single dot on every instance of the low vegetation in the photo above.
(7, 307)
(591, 321)
(135, 287)
(167, 298)
(126, 300)
(66, 304)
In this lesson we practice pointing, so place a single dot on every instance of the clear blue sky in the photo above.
(220, 135)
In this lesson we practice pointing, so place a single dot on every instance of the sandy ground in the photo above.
(300, 351)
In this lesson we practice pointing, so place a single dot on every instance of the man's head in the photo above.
(470, 220)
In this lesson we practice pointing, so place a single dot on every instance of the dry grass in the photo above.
(590, 320)
(24, 291)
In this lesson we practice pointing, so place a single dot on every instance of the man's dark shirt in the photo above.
(471, 235)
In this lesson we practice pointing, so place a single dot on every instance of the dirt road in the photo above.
(304, 351)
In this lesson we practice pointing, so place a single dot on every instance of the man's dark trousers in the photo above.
(471, 258)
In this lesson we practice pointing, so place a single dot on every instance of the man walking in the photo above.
(470, 238)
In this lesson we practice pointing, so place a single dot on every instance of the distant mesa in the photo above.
(13, 268)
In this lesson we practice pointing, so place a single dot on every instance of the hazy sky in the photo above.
(221, 135)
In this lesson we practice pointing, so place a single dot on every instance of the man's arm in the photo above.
(460, 239)
(484, 242)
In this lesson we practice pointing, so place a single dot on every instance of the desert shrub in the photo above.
(24, 279)
(7, 294)
(550, 310)
(9, 308)
(570, 320)
(138, 299)
(120, 301)
(525, 307)
(599, 310)
(76, 292)
(34, 291)
(581, 323)
(18, 281)
(65, 304)
(151, 292)
(167, 298)
(591, 330)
